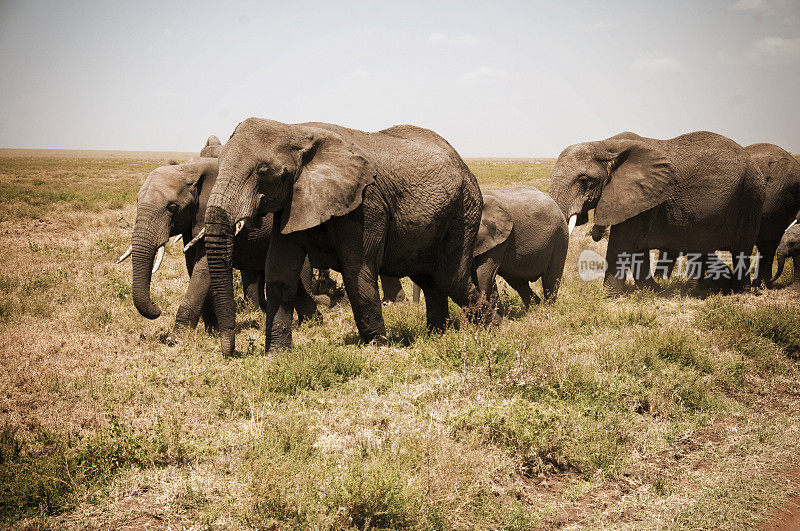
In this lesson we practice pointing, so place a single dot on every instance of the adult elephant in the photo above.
(398, 202)
(781, 202)
(523, 237)
(172, 201)
(696, 193)
(781, 173)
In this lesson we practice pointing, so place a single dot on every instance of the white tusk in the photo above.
(239, 227)
(195, 240)
(159, 258)
(176, 238)
(572, 221)
(125, 255)
(793, 223)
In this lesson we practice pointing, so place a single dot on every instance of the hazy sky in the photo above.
(494, 78)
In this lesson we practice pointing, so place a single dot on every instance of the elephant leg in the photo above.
(283, 267)
(436, 311)
(742, 262)
(617, 258)
(361, 285)
(210, 315)
(696, 265)
(417, 291)
(392, 289)
(250, 288)
(643, 276)
(523, 287)
(192, 305)
(305, 305)
(359, 246)
(661, 265)
(551, 279)
(665, 264)
(766, 255)
(454, 274)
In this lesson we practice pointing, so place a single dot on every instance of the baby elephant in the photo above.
(523, 236)
(789, 246)
(172, 201)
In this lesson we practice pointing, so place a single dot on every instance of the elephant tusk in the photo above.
(176, 238)
(195, 240)
(572, 221)
(239, 227)
(159, 258)
(125, 255)
(792, 224)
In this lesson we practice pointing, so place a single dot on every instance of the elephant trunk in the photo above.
(150, 232)
(219, 251)
(780, 256)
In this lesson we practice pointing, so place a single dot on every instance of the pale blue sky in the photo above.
(494, 78)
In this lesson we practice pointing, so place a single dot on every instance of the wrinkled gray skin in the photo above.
(398, 202)
(698, 192)
(522, 237)
(781, 173)
(789, 246)
(781, 202)
(172, 201)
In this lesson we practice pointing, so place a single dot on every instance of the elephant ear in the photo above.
(330, 182)
(640, 177)
(496, 225)
(200, 174)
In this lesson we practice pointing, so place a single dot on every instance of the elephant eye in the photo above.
(172, 207)
(262, 169)
(585, 180)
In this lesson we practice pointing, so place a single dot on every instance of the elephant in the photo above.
(789, 246)
(696, 193)
(398, 202)
(172, 201)
(523, 237)
(781, 202)
(781, 173)
(213, 148)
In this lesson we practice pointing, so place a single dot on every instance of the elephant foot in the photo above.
(227, 341)
(614, 287)
(378, 341)
(173, 337)
(279, 338)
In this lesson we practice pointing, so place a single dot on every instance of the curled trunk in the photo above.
(150, 232)
(219, 251)
(781, 258)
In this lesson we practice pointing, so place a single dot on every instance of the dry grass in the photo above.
(649, 411)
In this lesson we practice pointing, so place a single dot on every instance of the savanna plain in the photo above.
(648, 411)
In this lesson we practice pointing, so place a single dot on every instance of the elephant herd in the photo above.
(279, 199)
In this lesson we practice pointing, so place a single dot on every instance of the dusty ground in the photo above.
(653, 411)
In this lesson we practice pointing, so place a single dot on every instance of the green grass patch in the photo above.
(48, 473)
(747, 327)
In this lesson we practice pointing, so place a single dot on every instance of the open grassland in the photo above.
(648, 412)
